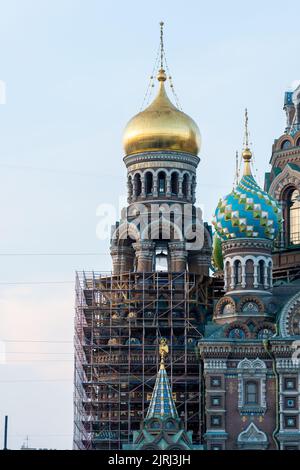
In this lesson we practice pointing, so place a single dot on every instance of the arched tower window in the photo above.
(249, 273)
(138, 184)
(238, 272)
(174, 183)
(227, 275)
(294, 217)
(261, 272)
(161, 182)
(130, 189)
(185, 184)
(285, 144)
(161, 260)
(148, 182)
(298, 142)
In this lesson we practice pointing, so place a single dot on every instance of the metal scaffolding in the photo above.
(118, 324)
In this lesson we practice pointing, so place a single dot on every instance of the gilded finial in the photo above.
(247, 154)
(163, 351)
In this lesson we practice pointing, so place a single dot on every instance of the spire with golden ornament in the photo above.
(247, 154)
(161, 126)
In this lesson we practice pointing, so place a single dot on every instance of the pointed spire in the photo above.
(161, 44)
(162, 404)
(162, 77)
(247, 154)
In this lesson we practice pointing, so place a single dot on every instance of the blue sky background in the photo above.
(75, 72)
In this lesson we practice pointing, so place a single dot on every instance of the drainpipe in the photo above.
(267, 347)
(202, 396)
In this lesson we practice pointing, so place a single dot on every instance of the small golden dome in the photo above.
(161, 126)
(247, 157)
(247, 154)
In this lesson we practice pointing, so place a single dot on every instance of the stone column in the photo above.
(266, 281)
(126, 259)
(255, 282)
(189, 191)
(282, 231)
(144, 252)
(116, 261)
(193, 185)
(143, 190)
(155, 191)
(232, 283)
(168, 181)
(243, 274)
(178, 256)
(129, 189)
(180, 180)
(225, 277)
(133, 189)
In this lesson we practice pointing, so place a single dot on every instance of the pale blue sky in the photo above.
(75, 72)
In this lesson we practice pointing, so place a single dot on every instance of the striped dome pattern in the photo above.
(162, 404)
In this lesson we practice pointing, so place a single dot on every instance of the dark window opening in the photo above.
(138, 185)
(149, 183)
(261, 272)
(161, 182)
(174, 183)
(238, 272)
(251, 392)
(285, 144)
(185, 184)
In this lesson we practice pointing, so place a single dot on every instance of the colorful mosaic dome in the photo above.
(248, 211)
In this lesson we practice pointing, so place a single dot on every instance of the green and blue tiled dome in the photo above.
(248, 211)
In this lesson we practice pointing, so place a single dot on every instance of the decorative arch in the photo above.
(220, 308)
(289, 311)
(264, 330)
(297, 139)
(282, 140)
(237, 330)
(289, 177)
(124, 232)
(155, 230)
(252, 438)
(251, 364)
(251, 299)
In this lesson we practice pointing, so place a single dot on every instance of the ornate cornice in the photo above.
(246, 243)
(167, 156)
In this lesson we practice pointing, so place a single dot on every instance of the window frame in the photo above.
(247, 393)
(215, 397)
(294, 417)
(220, 420)
(218, 378)
(292, 379)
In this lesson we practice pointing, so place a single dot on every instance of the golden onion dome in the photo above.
(161, 126)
